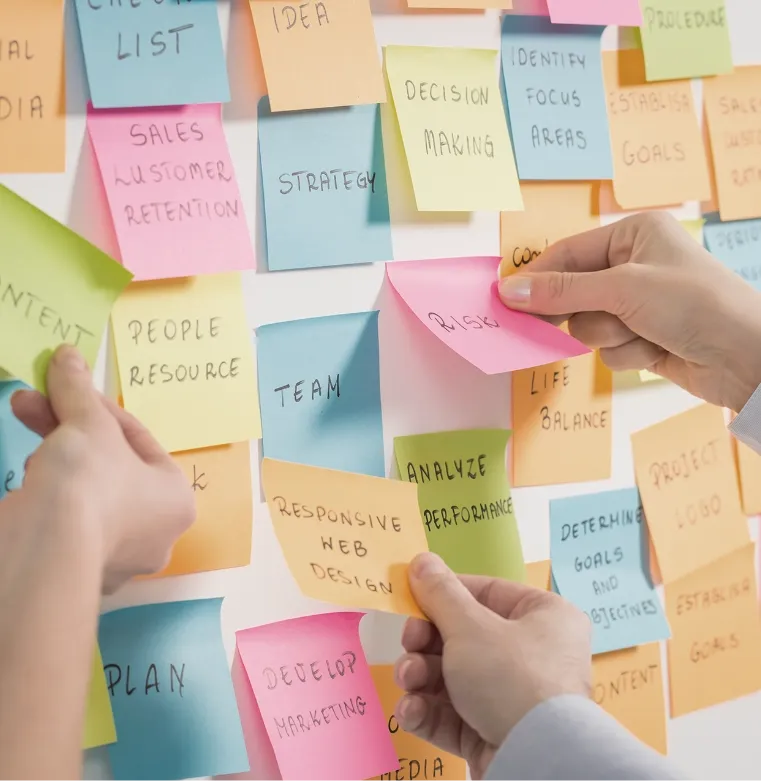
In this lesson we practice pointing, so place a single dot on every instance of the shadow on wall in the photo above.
(244, 64)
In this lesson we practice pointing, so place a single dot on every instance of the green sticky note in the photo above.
(684, 39)
(464, 498)
(55, 288)
(99, 719)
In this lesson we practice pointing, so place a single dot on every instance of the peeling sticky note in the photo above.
(737, 245)
(186, 361)
(172, 190)
(319, 381)
(449, 109)
(336, 38)
(55, 288)
(464, 499)
(17, 443)
(456, 299)
(347, 538)
(748, 464)
(555, 99)
(317, 699)
(99, 719)
(324, 187)
(539, 575)
(625, 13)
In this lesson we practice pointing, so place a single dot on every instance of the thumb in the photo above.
(73, 397)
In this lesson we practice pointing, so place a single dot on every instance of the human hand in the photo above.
(645, 293)
(100, 468)
(493, 650)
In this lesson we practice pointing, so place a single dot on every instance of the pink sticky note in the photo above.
(456, 298)
(600, 12)
(172, 190)
(529, 8)
(317, 698)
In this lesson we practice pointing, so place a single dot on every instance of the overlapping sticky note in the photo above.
(185, 361)
(456, 299)
(324, 187)
(17, 443)
(172, 190)
(152, 54)
(686, 478)
(99, 719)
(683, 39)
(316, 697)
(555, 99)
(625, 13)
(347, 538)
(716, 642)
(336, 38)
(737, 245)
(33, 98)
(319, 381)
(658, 154)
(748, 478)
(55, 288)
(539, 574)
(449, 109)
(464, 499)
(171, 693)
(597, 543)
(562, 422)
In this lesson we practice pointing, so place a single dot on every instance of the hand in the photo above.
(645, 293)
(494, 651)
(99, 468)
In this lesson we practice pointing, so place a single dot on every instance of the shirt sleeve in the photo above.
(746, 426)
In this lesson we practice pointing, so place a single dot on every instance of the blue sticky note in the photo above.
(17, 443)
(555, 99)
(597, 544)
(324, 187)
(152, 53)
(171, 692)
(737, 245)
(319, 392)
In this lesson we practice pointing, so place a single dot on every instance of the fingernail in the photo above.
(411, 712)
(69, 357)
(515, 290)
(401, 673)
(426, 565)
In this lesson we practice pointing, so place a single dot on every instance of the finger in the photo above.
(33, 410)
(72, 395)
(421, 673)
(142, 442)
(585, 252)
(432, 720)
(500, 596)
(638, 354)
(599, 330)
(419, 635)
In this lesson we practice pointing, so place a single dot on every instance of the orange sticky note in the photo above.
(686, 478)
(715, 644)
(748, 478)
(658, 155)
(336, 38)
(32, 87)
(561, 422)
(461, 4)
(539, 574)
(733, 110)
(347, 538)
(628, 684)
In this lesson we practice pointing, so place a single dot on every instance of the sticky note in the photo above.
(324, 187)
(152, 54)
(172, 190)
(460, 4)
(335, 38)
(464, 499)
(597, 543)
(658, 154)
(449, 109)
(562, 422)
(33, 79)
(539, 574)
(731, 108)
(628, 684)
(55, 288)
(694, 228)
(748, 464)
(529, 8)
(456, 299)
(555, 99)
(319, 381)
(99, 719)
(686, 478)
(417, 758)
(347, 538)
(17, 443)
(316, 696)
(737, 244)
(716, 643)
(185, 361)
(683, 39)
(646, 376)
(173, 701)
(625, 13)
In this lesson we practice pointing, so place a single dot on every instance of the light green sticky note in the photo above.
(464, 498)
(99, 720)
(55, 288)
(684, 39)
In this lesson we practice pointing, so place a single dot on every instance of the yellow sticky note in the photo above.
(628, 684)
(347, 538)
(539, 574)
(748, 477)
(733, 111)
(185, 360)
(646, 376)
(715, 640)
(686, 478)
(695, 229)
(449, 109)
(32, 87)
(658, 155)
(99, 719)
(562, 422)
(337, 40)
